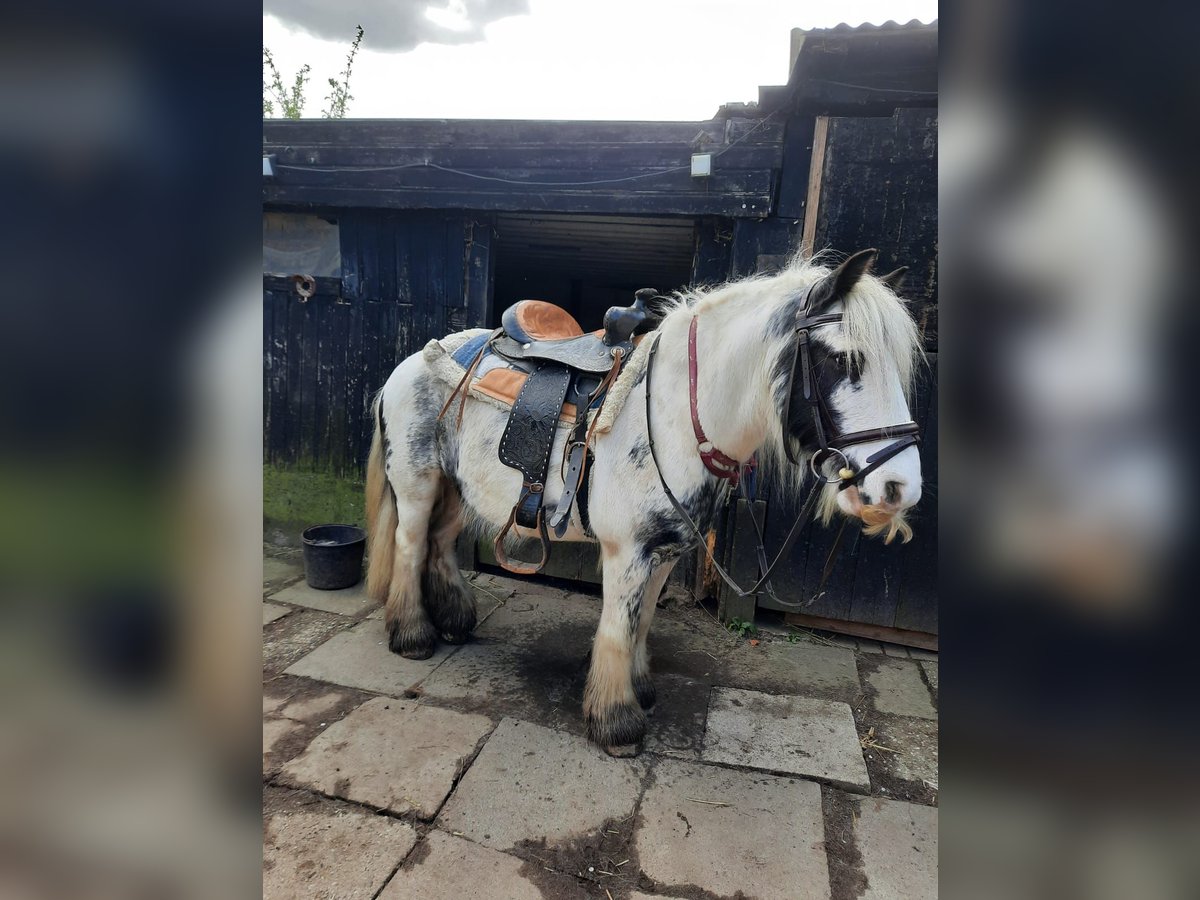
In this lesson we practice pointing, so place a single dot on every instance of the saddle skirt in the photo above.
(498, 381)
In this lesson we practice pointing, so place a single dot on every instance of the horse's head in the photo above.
(847, 403)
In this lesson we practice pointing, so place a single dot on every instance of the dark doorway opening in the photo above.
(586, 264)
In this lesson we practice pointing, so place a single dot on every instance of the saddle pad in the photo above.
(499, 383)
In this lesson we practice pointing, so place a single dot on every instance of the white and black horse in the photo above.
(755, 393)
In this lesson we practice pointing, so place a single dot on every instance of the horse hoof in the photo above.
(417, 652)
(619, 729)
(624, 751)
(412, 643)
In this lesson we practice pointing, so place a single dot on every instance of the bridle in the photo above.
(830, 444)
(907, 433)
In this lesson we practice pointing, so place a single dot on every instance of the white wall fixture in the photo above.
(701, 165)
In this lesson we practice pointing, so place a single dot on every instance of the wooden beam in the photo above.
(815, 169)
(919, 639)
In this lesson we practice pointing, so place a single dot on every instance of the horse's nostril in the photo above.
(891, 491)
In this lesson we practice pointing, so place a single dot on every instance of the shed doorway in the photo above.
(584, 264)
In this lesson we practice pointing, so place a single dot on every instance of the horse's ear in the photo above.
(841, 281)
(895, 278)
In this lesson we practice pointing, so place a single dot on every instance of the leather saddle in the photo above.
(569, 371)
(537, 330)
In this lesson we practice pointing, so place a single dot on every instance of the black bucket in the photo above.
(333, 556)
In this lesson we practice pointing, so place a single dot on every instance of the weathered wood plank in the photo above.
(792, 195)
(532, 134)
(880, 190)
(599, 158)
(816, 170)
(740, 194)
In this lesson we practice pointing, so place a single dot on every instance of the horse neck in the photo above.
(733, 382)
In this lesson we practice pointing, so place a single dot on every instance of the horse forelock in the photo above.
(875, 322)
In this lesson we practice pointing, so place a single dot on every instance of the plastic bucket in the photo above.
(333, 556)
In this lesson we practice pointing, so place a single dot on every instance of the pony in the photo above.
(429, 477)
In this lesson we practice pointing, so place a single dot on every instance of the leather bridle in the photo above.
(829, 443)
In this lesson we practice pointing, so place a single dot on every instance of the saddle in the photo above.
(567, 373)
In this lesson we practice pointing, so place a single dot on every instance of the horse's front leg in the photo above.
(611, 711)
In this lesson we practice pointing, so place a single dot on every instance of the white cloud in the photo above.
(569, 59)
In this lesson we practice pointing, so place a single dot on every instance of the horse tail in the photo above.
(381, 513)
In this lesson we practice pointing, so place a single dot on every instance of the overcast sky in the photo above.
(554, 59)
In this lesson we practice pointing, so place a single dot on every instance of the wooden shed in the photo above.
(415, 228)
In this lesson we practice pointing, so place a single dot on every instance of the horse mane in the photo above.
(875, 324)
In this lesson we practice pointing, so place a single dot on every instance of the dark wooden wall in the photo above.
(526, 166)
(406, 278)
(878, 189)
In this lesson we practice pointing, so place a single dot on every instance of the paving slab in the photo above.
(295, 635)
(768, 841)
(796, 735)
(899, 688)
(315, 707)
(390, 754)
(360, 658)
(274, 731)
(899, 846)
(449, 868)
(530, 783)
(686, 641)
(931, 673)
(528, 658)
(347, 854)
(918, 653)
(676, 724)
(278, 571)
(351, 601)
(916, 744)
(895, 650)
(272, 611)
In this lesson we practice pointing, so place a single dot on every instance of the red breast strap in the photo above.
(720, 464)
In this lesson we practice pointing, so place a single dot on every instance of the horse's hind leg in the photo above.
(410, 633)
(611, 711)
(447, 599)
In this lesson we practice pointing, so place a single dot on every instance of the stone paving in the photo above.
(797, 769)
(793, 735)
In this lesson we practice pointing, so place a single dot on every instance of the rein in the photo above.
(729, 469)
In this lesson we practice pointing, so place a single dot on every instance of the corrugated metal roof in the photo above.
(870, 27)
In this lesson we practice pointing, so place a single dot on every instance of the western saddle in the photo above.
(566, 368)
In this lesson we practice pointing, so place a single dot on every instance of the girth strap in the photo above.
(575, 453)
(574, 456)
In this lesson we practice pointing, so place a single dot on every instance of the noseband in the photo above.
(726, 467)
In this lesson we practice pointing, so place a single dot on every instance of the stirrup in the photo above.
(518, 567)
